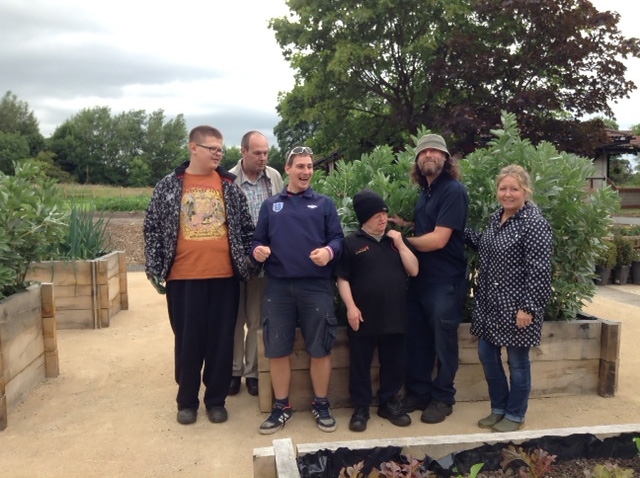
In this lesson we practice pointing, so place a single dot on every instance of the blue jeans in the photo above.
(434, 313)
(507, 398)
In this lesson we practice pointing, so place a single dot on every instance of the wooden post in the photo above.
(49, 331)
(609, 358)
(3, 395)
(124, 290)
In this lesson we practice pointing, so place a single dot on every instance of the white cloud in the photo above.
(215, 62)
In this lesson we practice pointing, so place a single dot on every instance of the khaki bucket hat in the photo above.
(433, 141)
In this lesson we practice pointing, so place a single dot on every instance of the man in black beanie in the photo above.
(372, 281)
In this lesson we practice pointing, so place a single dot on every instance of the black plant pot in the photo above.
(621, 274)
(603, 275)
(635, 272)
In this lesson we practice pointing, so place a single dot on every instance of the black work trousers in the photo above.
(203, 318)
(392, 355)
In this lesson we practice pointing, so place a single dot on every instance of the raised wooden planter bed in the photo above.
(574, 358)
(279, 460)
(88, 293)
(28, 345)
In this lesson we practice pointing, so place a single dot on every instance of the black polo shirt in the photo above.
(445, 204)
(378, 282)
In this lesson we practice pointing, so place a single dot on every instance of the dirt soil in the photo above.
(111, 411)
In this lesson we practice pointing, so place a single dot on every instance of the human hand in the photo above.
(397, 220)
(396, 236)
(156, 282)
(354, 316)
(261, 253)
(523, 319)
(320, 256)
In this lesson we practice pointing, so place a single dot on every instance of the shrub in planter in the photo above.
(580, 220)
(624, 256)
(31, 221)
(86, 237)
(606, 261)
(635, 267)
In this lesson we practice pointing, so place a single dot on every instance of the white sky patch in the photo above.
(214, 62)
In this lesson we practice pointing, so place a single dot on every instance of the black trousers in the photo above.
(392, 355)
(203, 318)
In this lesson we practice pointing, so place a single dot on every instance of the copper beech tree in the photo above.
(370, 73)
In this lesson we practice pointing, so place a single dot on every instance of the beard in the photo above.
(429, 168)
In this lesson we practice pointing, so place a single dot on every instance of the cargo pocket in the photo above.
(265, 332)
(330, 333)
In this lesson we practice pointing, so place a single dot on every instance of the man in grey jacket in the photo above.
(258, 181)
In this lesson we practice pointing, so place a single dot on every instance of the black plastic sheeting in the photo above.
(327, 464)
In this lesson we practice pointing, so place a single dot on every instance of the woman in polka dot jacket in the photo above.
(514, 286)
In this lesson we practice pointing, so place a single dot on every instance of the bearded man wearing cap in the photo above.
(372, 281)
(436, 295)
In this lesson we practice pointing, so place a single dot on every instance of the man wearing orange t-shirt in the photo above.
(198, 233)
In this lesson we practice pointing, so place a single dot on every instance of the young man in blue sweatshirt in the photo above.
(299, 239)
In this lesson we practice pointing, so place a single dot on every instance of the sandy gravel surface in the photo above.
(111, 412)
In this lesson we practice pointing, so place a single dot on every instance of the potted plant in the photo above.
(91, 284)
(635, 267)
(605, 262)
(31, 220)
(624, 253)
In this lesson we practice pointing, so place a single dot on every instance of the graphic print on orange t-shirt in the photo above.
(203, 244)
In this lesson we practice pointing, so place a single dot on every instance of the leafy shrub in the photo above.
(382, 171)
(31, 221)
(624, 250)
(579, 219)
(608, 256)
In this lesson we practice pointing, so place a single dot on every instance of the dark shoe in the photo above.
(234, 386)
(412, 402)
(490, 421)
(394, 412)
(436, 412)
(359, 419)
(187, 416)
(506, 425)
(277, 419)
(217, 414)
(252, 386)
(322, 414)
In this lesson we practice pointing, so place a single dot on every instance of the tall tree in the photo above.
(371, 73)
(130, 147)
(17, 118)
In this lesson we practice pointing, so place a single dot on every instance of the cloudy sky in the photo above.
(215, 62)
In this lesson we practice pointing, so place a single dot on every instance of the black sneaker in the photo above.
(323, 417)
(277, 419)
(412, 402)
(393, 411)
(436, 412)
(187, 416)
(359, 419)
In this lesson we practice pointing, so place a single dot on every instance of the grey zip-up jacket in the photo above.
(162, 222)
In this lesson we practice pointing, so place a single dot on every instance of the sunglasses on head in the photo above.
(299, 150)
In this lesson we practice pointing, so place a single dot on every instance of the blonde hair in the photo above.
(520, 175)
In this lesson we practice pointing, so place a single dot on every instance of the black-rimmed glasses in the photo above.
(212, 149)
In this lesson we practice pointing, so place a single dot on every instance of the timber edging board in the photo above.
(279, 460)
(88, 293)
(28, 345)
(577, 357)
